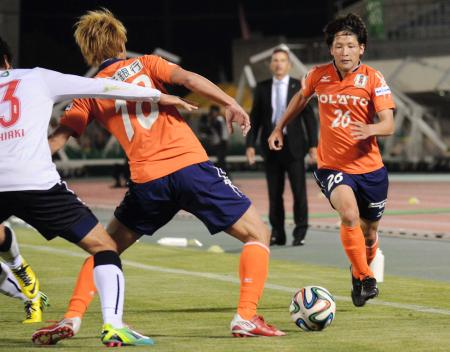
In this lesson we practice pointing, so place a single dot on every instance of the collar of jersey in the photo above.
(108, 62)
(339, 74)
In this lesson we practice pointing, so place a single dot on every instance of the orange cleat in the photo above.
(253, 327)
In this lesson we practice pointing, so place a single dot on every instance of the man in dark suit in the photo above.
(269, 103)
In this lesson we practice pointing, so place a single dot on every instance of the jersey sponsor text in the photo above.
(342, 99)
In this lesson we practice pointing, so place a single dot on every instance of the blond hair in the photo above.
(100, 36)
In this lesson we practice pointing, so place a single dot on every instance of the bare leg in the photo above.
(250, 228)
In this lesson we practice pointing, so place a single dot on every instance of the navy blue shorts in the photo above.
(370, 189)
(53, 212)
(201, 189)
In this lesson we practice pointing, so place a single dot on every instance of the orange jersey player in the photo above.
(156, 139)
(169, 170)
(342, 102)
(350, 170)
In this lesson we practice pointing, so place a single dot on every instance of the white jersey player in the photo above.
(31, 189)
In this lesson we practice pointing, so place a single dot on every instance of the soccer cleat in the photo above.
(117, 337)
(369, 288)
(357, 299)
(34, 309)
(50, 335)
(27, 279)
(253, 327)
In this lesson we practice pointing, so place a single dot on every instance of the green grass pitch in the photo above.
(185, 299)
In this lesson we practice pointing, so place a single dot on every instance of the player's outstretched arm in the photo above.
(199, 84)
(66, 87)
(295, 106)
(167, 99)
(385, 127)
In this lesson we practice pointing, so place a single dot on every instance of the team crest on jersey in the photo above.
(360, 80)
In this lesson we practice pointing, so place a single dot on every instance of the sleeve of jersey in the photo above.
(381, 93)
(159, 68)
(76, 116)
(66, 87)
(309, 83)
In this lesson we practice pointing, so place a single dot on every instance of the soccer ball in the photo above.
(312, 308)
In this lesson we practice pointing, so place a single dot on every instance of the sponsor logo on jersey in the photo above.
(325, 78)
(4, 74)
(126, 72)
(360, 80)
(342, 99)
(382, 91)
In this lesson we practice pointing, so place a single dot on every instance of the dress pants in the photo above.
(277, 164)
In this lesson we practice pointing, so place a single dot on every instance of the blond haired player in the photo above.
(350, 170)
(169, 169)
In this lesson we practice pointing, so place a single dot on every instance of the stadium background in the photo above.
(408, 42)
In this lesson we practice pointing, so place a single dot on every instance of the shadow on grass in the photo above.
(185, 310)
(200, 310)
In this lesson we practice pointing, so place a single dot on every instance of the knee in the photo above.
(103, 245)
(98, 240)
(349, 216)
(371, 237)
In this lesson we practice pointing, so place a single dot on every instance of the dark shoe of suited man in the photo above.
(277, 239)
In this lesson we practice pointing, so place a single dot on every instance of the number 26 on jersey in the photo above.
(342, 119)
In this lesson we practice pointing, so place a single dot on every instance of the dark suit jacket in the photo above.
(301, 131)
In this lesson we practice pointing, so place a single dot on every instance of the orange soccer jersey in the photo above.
(358, 97)
(155, 138)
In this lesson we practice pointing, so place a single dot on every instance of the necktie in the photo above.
(280, 105)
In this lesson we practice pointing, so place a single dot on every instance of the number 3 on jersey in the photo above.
(13, 101)
(146, 121)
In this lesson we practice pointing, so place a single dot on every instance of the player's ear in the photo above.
(362, 48)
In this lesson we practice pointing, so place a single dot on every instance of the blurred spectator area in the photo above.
(408, 42)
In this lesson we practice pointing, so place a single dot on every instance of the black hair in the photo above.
(350, 23)
(5, 53)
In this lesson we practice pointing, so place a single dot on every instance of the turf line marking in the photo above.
(225, 278)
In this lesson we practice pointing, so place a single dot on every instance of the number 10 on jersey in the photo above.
(145, 121)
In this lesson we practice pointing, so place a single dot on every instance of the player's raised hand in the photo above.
(276, 139)
(359, 130)
(167, 99)
(235, 113)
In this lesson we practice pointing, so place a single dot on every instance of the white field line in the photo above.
(225, 278)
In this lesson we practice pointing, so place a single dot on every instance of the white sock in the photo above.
(110, 284)
(12, 256)
(9, 285)
(17, 262)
